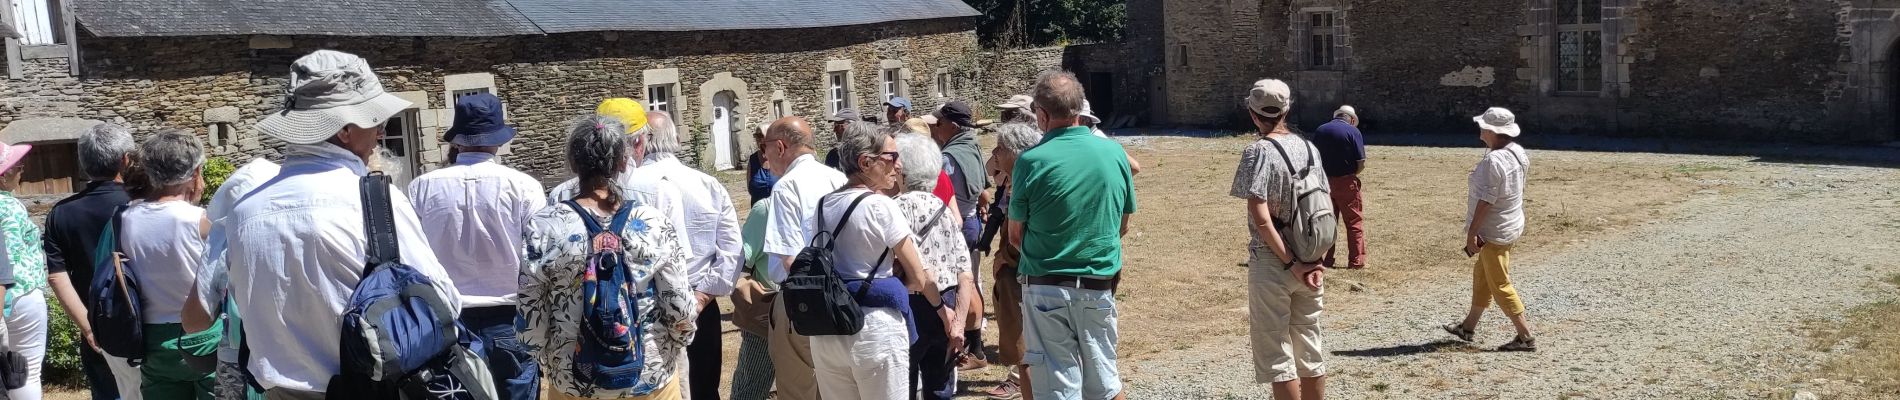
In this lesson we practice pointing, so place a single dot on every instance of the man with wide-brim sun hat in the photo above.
(1494, 220)
(299, 246)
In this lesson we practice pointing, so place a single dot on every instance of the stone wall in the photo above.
(1808, 70)
(1010, 72)
(546, 81)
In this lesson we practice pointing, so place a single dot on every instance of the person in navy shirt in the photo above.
(1342, 151)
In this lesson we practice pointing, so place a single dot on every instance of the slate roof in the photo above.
(474, 18)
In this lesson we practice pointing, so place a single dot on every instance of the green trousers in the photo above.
(165, 373)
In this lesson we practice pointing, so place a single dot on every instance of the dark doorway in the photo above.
(1100, 87)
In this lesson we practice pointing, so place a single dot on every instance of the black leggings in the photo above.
(706, 355)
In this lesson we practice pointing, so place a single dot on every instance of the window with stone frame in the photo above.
(220, 134)
(1579, 45)
(838, 97)
(893, 83)
(1322, 40)
(778, 109)
(660, 98)
(943, 85)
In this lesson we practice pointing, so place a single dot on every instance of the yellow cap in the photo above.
(629, 112)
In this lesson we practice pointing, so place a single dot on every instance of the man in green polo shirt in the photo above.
(1072, 195)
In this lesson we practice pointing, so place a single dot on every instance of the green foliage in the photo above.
(1027, 23)
(216, 170)
(62, 341)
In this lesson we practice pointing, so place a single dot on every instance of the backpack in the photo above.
(816, 300)
(400, 337)
(609, 353)
(1310, 233)
(116, 312)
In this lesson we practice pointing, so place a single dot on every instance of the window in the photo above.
(660, 98)
(1322, 36)
(1181, 54)
(943, 85)
(839, 98)
(893, 83)
(466, 92)
(778, 109)
(1579, 45)
(221, 134)
(39, 22)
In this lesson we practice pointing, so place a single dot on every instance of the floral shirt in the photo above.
(550, 302)
(24, 254)
(942, 248)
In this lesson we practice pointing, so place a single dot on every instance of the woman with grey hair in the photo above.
(940, 243)
(1011, 140)
(165, 231)
(599, 217)
(866, 230)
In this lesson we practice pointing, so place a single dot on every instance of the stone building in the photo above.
(720, 66)
(1800, 70)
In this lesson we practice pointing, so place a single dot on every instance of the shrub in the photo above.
(62, 366)
(216, 170)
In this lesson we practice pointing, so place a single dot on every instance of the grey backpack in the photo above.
(1310, 233)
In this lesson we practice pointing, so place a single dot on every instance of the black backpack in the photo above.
(816, 300)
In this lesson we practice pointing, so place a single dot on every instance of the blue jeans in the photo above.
(517, 376)
(1071, 338)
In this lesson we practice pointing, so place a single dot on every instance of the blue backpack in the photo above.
(608, 354)
(116, 311)
(400, 337)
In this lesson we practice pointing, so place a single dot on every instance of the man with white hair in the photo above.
(643, 185)
(712, 258)
(72, 232)
(1342, 150)
(476, 209)
(297, 245)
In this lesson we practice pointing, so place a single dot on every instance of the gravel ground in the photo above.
(1707, 300)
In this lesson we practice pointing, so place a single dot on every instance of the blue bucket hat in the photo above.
(478, 122)
(899, 102)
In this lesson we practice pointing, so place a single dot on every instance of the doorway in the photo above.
(724, 126)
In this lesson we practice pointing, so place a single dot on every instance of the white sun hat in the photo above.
(1269, 98)
(329, 90)
(1498, 120)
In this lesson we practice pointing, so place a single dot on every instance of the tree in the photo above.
(1031, 23)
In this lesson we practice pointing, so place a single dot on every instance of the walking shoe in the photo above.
(971, 362)
(1008, 390)
(1460, 332)
(1522, 343)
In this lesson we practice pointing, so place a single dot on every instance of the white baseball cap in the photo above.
(1498, 120)
(1269, 98)
(329, 90)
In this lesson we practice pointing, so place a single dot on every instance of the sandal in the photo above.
(1460, 332)
(1521, 343)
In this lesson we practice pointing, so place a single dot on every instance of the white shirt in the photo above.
(712, 226)
(875, 227)
(1499, 179)
(643, 185)
(213, 278)
(475, 211)
(794, 199)
(162, 240)
(296, 254)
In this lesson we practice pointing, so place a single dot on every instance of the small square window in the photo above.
(660, 98)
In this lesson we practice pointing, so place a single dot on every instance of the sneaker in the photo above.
(1460, 332)
(1522, 343)
(971, 362)
(1009, 390)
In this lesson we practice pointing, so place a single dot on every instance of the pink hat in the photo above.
(10, 155)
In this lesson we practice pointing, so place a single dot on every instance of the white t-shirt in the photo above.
(1499, 179)
(162, 240)
(795, 200)
(876, 226)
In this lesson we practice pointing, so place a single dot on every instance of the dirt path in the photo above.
(1707, 299)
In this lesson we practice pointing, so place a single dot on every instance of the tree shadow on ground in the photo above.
(1406, 350)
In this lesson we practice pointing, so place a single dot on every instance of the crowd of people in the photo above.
(241, 297)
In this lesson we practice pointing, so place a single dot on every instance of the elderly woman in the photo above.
(1494, 220)
(165, 231)
(1011, 140)
(25, 296)
(867, 229)
(933, 366)
(558, 248)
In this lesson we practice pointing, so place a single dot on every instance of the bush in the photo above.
(62, 366)
(216, 170)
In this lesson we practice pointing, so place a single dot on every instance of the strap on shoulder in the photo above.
(841, 220)
(934, 219)
(619, 222)
(587, 218)
(379, 222)
(1300, 174)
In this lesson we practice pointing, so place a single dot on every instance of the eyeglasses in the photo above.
(887, 156)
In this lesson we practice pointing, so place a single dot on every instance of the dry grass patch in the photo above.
(1868, 343)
